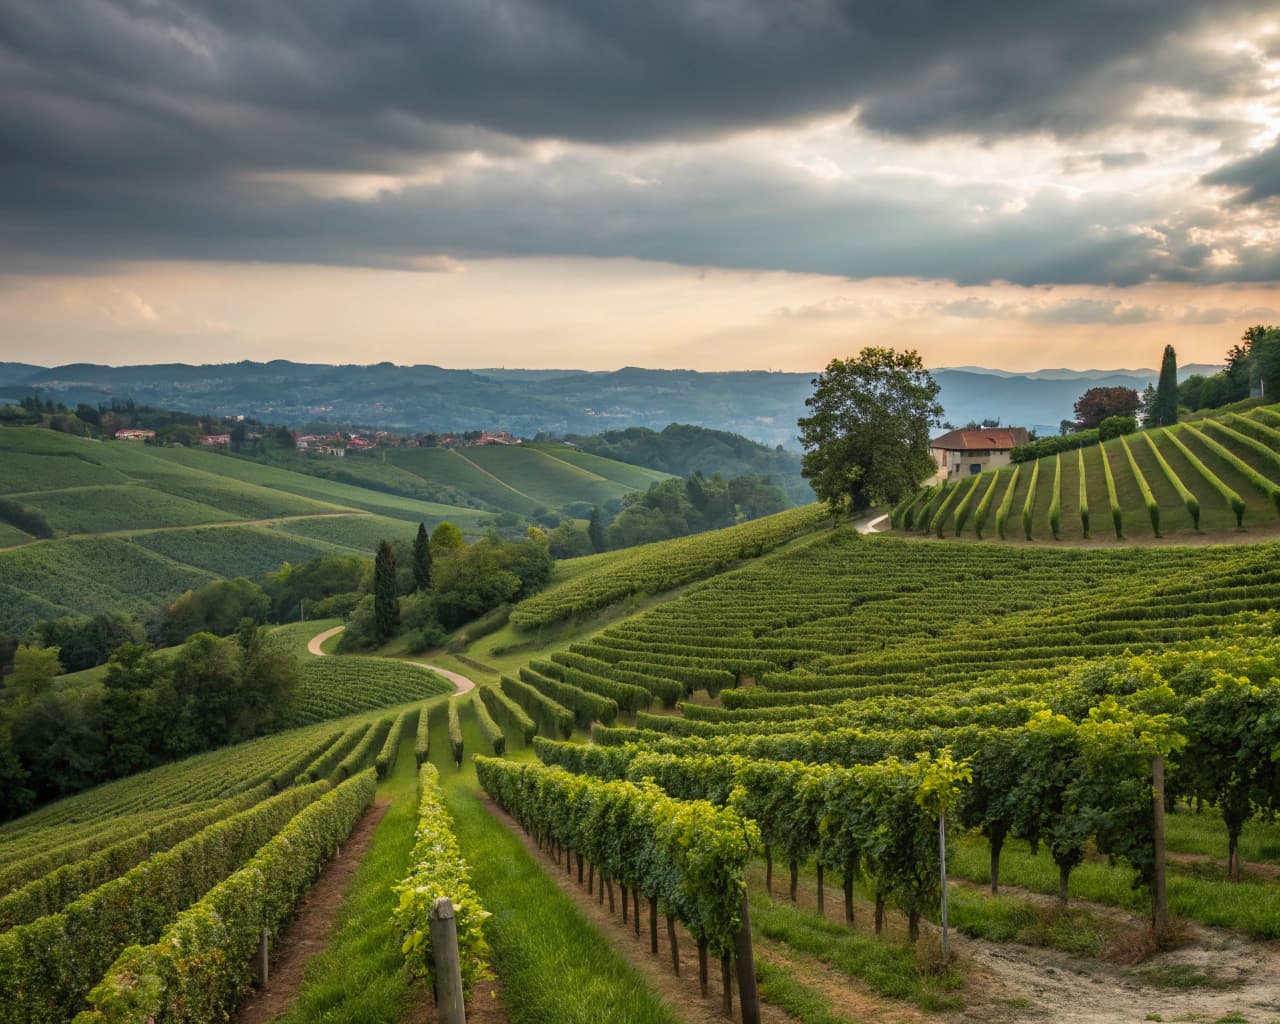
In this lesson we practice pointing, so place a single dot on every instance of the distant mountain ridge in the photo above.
(758, 404)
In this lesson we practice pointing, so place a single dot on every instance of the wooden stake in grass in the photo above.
(448, 968)
(747, 993)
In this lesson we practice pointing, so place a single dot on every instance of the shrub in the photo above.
(455, 729)
(1044, 446)
(1116, 426)
(422, 743)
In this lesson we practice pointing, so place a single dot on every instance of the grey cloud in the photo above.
(151, 128)
(704, 210)
(1094, 311)
(1255, 179)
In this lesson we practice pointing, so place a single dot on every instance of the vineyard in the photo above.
(743, 784)
(1216, 476)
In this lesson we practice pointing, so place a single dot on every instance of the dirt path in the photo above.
(1217, 973)
(461, 684)
(871, 525)
(309, 931)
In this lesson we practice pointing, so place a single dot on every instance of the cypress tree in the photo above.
(595, 530)
(422, 559)
(1167, 390)
(386, 607)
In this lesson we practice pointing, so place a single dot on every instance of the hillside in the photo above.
(763, 406)
(1216, 478)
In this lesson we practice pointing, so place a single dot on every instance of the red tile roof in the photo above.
(987, 438)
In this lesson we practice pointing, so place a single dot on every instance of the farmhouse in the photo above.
(131, 434)
(215, 440)
(966, 452)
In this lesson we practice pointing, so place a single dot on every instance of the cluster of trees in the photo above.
(683, 450)
(670, 508)
(1251, 365)
(152, 707)
(439, 582)
(103, 420)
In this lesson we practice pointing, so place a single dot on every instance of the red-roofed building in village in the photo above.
(131, 434)
(966, 452)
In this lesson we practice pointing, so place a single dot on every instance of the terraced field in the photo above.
(1216, 477)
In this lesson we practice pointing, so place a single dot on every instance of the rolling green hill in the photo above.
(133, 526)
(1217, 477)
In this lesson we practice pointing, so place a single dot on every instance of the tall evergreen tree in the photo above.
(386, 606)
(422, 559)
(595, 530)
(1167, 390)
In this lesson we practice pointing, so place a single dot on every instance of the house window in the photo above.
(975, 467)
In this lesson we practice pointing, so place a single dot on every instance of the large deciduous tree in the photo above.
(866, 440)
(1098, 404)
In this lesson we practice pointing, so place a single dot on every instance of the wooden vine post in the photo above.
(1159, 892)
(747, 993)
(448, 968)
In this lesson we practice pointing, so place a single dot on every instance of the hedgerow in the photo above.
(1189, 500)
(1148, 499)
(437, 869)
(1006, 503)
(202, 963)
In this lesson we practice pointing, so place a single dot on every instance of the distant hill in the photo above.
(134, 525)
(763, 406)
(683, 449)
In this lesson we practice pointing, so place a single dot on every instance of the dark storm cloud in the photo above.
(149, 128)
(1255, 179)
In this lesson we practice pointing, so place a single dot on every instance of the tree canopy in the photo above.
(866, 439)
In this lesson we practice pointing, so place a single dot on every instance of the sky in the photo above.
(706, 184)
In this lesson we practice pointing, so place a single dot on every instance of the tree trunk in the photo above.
(1064, 874)
(1159, 890)
(768, 869)
(749, 996)
(635, 906)
(591, 879)
(795, 879)
(997, 844)
(671, 941)
(822, 912)
(913, 926)
(726, 981)
(653, 924)
(879, 913)
(848, 897)
(624, 903)
(608, 882)
(579, 869)
(1233, 856)
(702, 967)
